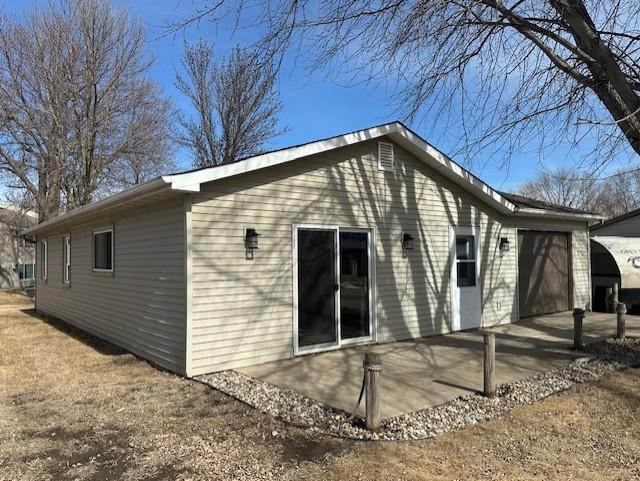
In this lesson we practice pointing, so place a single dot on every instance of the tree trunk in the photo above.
(609, 82)
(48, 196)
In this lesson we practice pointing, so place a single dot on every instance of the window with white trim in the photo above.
(103, 250)
(386, 156)
(66, 259)
(44, 259)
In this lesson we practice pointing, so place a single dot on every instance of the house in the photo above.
(615, 261)
(370, 236)
(17, 256)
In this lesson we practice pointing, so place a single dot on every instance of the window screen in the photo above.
(103, 250)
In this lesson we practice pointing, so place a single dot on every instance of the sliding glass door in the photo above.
(333, 287)
(354, 285)
(317, 286)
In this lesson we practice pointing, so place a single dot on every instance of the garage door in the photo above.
(543, 272)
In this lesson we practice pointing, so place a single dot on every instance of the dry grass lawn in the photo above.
(74, 408)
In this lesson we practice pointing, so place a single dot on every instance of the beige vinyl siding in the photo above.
(141, 306)
(13, 253)
(581, 267)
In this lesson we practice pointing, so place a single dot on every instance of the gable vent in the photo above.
(386, 158)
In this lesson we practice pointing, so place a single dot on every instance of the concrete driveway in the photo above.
(423, 373)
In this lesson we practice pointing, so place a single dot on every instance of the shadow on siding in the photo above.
(89, 340)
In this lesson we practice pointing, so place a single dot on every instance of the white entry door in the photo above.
(466, 297)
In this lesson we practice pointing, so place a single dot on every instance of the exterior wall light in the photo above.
(407, 241)
(504, 244)
(251, 239)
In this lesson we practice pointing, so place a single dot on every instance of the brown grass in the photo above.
(72, 407)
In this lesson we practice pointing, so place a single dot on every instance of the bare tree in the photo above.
(609, 196)
(564, 187)
(235, 101)
(619, 193)
(495, 70)
(75, 104)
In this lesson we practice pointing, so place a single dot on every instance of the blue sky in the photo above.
(314, 106)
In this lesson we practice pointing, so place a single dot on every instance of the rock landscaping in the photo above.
(601, 358)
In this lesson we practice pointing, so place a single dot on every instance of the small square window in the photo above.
(25, 271)
(103, 250)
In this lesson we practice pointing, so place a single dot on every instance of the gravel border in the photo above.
(601, 359)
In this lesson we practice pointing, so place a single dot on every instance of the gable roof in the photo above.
(191, 180)
(616, 219)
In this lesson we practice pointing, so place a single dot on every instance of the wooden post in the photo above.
(578, 317)
(621, 310)
(372, 367)
(609, 298)
(489, 364)
(614, 295)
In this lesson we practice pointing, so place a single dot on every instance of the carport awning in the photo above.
(626, 254)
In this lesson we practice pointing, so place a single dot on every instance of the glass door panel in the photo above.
(317, 288)
(354, 285)
(466, 260)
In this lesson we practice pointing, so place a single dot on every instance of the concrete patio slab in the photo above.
(422, 373)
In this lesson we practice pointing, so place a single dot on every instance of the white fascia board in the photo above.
(133, 193)
(191, 180)
(531, 212)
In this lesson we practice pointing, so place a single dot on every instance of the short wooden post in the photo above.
(609, 298)
(372, 368)
(621, 311)
(578, 317)
(489, 364)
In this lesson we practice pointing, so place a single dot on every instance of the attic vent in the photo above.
(386, 159)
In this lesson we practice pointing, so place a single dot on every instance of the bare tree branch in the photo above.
(236, 105)
(480, 64)
(608, 196)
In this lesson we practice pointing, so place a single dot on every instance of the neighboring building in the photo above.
(371, 236)
(17, 256)
(615, 261)
(625, 225)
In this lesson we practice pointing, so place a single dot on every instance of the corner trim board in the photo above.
(188, 271)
